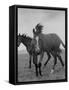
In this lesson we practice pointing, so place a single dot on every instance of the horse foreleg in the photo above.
(40, 63)
(36, 69)
(40, 69)
(30, 61)
(49, 56)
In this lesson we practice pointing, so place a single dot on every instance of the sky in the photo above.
(52, 20)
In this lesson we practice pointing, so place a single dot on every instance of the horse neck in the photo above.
(26, 42)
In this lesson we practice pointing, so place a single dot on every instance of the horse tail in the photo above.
(62, 44)
(59, 50)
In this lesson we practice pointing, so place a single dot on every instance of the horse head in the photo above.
(36, 33)
(19, 40)
(39, 28)
(36, 40)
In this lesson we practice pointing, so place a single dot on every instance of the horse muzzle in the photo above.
(37, 50)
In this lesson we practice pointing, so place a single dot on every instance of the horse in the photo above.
(30, 46)
(26, 40)
(48, 43)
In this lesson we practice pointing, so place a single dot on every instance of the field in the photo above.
(26, 74)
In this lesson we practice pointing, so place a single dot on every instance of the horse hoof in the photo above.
(52, 71)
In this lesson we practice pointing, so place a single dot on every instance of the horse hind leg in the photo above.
(62, 63)
(38, 69)
(55, 62)
(35, 63)
(49, 56)
(40, 63)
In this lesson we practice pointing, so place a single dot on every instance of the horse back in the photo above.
(49, 41)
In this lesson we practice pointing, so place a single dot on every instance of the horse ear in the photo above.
(19, 34)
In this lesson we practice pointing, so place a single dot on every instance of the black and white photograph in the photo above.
(41, 45)
(34, 44)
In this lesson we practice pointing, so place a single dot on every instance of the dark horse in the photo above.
(27, 41)
(49, 43)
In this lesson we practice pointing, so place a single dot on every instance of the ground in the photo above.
(26, 74)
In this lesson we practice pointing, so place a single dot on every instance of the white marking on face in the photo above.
(37, 44)
(35, 30)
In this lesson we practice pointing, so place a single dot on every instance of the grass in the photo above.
(26, 74)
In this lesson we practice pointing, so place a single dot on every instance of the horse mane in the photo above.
(39, 28)
(26, 37)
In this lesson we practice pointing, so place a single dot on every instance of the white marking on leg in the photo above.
(52, 70)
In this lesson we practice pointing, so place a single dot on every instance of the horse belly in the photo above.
(50, 46)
